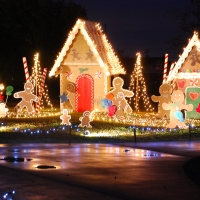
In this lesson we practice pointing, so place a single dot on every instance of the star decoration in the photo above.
(63, 97)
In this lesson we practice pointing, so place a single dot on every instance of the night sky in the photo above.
(136, 25)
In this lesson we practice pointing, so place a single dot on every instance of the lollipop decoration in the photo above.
(9, 90)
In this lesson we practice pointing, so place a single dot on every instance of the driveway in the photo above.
(136, 171)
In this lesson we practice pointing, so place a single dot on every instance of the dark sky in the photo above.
(135, 25)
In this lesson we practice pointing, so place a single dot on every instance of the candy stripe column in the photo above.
(165, 68)
(25, 68)
(41, 89)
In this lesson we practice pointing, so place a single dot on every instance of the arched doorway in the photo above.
(84, 93)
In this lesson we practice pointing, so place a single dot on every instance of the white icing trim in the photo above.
(187, 75)
(73, 63)
(79, 25)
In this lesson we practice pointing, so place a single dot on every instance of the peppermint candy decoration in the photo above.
(68, 75)
(98, 74)
(194, 81)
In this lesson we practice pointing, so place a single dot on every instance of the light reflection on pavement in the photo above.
(60, 156)
(121, 171)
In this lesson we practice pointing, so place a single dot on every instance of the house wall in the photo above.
(188, 81)
(80, 60)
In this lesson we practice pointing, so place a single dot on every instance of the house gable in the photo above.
(188, 65)
(98, 45)
(79, 52)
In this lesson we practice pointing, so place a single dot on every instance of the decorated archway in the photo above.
(84, 93)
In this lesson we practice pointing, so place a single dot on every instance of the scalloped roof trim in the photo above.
(101, 48)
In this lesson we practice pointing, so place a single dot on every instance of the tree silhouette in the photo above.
(30, 26)
(189, 21)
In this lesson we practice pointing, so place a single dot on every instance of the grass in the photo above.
(48, 129)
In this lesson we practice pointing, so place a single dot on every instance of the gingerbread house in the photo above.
(85, 65)
(186, 74)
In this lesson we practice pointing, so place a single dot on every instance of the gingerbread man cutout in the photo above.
(117, 87)
(65, 118)
(71, 89)
(121, 105)
(85, 120)
(165, 91)
(27, 98)
(176, 116)
(3, 110)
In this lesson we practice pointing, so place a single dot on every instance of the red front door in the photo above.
(84, 93)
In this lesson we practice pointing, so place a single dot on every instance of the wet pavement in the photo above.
(98, 171)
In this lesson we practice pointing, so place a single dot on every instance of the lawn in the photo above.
(48, 129)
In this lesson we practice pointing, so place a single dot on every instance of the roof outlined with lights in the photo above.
(193, 42)
(99, 45)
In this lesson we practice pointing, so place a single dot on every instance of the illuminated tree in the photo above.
(36, 78)
(138, 86)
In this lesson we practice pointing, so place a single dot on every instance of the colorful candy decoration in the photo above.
(179, 115)
(194, 81)
(27, 98)
(63, 97)
(110, 96)
(165, 68)
(85, 120)
(198, 108)
(105, 103)
(193, 95)
(68, 74)
(25, 68)
(176, 117)
(181, 84)
(1, 97)
(65, 118)
(112, 110)
(98, 74)
(81, 70)
(9, 90)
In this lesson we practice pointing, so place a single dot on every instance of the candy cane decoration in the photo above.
(173, 85)
(41, 89)
(165, 68)
(25, 68)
